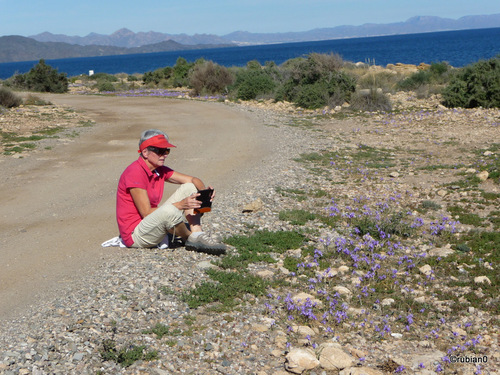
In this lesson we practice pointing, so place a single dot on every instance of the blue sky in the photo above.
(29, 17)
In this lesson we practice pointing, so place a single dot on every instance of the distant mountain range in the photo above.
(129, 39)
(19, 48)
(420, 24)
(124, 41)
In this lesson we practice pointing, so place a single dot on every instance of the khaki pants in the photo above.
(154, 227)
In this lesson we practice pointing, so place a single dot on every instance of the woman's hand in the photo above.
(189, 203)
(213, 194)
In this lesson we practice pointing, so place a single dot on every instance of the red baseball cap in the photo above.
(159, 141)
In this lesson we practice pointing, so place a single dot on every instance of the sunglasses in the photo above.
(159, 151)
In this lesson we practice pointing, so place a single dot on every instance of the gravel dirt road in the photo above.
(57, 206)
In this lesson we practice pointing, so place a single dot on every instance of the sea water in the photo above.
(458, 48)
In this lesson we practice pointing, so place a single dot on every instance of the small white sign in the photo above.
(91, 73)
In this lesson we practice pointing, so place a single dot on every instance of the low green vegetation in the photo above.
(476, 85)
(127, 355)
(176, 76)
(13, 143)
(41, 78)
(8, 99)
(232, 282)
(437, 74)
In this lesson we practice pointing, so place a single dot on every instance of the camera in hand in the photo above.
(204, 198)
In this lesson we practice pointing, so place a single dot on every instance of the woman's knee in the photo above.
(171, 215)
(188, 188)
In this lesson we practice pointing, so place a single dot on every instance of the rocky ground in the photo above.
(342, 301)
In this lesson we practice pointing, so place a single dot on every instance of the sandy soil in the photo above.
(57, 206)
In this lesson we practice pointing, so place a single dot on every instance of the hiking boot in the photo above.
(203, 243)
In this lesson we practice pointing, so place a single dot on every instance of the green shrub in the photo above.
(105, 86)
(420, 78)
(312, 96)
(127, 355)
(439, 69)
(158, 75)
(371, 101)
(176, 76)
(210, 78)
(476, 85)
(296, 217)
(316, 82)
(8, 99)
(252, 82)
(430, 205)
(437, 74)
(104, 77)
(42, 78)
(227, 286)
(180, 72)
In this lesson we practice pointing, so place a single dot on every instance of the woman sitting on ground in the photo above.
(142, 223)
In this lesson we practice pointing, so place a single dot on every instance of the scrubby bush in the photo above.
(436, 74)
(476, 85)
(210, 78)
(422, 77)
(254, 81)
(105, 87)
(176, 76)
(157, 76)
(104, 77)
(371, 100)
(35, 100)
(180, 73)
(8, 99)
(42, 78)
(385, 80)
(316, 82)
(105, 82)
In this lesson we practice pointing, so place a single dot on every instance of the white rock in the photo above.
(304, 331)
(299, 360)
(343, 269)
(295, 253)
(482, 280)
(254, 206)
(342, 290)
(483, 176)
(441, 251)
(266, 274)
(331, 357)
(387, 302)
(260, 328)
(426, 270)
(284, 271)
(441, 193)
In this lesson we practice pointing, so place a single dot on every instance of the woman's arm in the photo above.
(188, 203)
(141, 201)
(181, 178)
